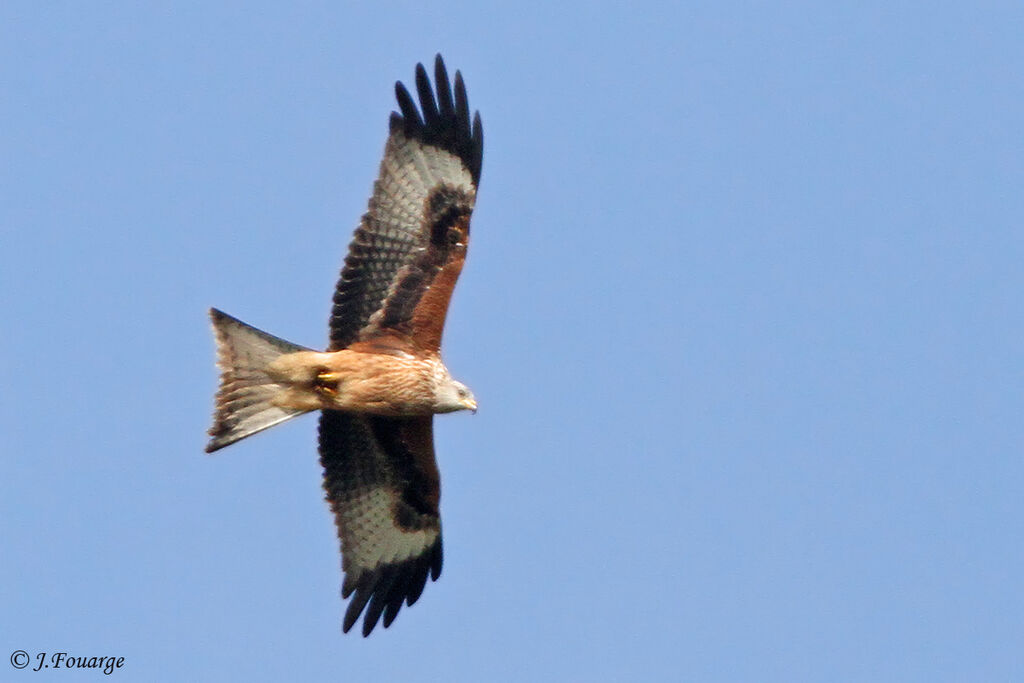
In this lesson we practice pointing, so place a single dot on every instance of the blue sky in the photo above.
(742, 311)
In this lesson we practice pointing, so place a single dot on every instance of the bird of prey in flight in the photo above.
(381, 379)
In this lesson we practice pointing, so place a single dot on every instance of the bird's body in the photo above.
(381, 379)
(365, 379)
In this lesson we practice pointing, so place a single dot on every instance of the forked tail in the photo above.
(245, 400)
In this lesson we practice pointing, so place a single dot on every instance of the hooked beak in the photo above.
(469, 404)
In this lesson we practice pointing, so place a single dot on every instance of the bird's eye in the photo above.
(462, 393)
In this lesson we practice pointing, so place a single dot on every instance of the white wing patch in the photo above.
(371, 537)
(409, 171)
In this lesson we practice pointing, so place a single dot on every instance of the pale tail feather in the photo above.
(244, 403)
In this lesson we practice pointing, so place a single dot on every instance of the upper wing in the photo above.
(409, 248)
(383, 486)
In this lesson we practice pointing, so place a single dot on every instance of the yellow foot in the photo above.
(327, 383)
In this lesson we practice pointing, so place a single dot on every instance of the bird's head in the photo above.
(453, 396)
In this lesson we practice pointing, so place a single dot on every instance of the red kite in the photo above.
(381, 379)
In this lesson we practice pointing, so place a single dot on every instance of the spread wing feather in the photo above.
(383, 485)
(408, 250)
(380, 473)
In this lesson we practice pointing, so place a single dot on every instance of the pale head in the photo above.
(453, 395)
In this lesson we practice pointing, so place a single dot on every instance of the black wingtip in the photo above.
(444, 91)
(435, 561)
(382, 591)
(355, 608)
(410, 116)
(444, 123)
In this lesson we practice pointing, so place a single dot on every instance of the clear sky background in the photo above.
(743, 312)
